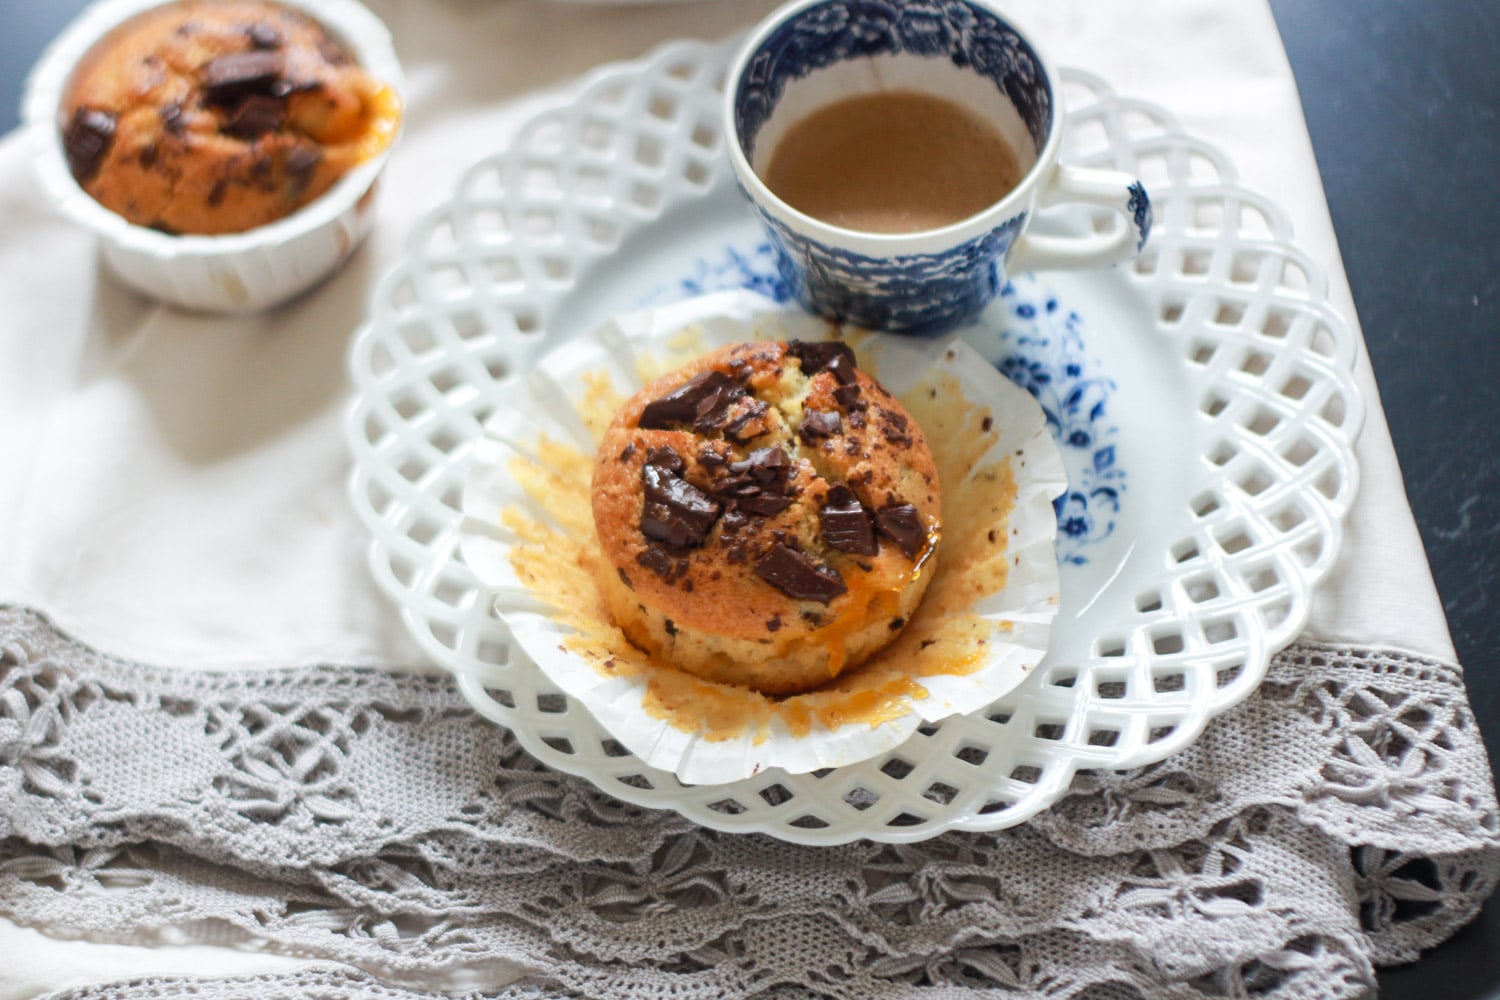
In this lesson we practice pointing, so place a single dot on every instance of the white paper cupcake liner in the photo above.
(550, 406)
(236, 273)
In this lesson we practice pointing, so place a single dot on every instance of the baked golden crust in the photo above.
(218, 117)
(767, 525)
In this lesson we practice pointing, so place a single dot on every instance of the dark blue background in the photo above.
(1402, 98)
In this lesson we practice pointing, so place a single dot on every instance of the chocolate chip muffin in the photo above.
(768, 512)
(218, 117)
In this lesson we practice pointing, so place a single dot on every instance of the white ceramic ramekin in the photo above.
(235, 273)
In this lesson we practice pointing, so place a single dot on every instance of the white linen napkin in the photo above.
(174, 485)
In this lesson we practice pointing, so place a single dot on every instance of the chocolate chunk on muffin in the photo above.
(767, 513)
(218, 117)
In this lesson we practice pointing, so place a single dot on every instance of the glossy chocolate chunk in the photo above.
(894, 427)
(664, 457)
(713, 409)
(86, 141)
(796, 575)
(766, 504)
(847, 396)
(842, 367)
(676, 512)
(254, 117)
(263, 36)
(846, 524)
(171, 119)
(680, 406)
(817, 356)
(764, 465)
(301, 164)
(818, 424)
(758, 484)
(286, 88)
(750, 424)
(332, 51)
(901, 523)
(657, 562)
(226, 79)
(767, 501)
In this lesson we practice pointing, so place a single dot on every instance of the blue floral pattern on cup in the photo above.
(1036, 342)
(925, 293)
(912, 293)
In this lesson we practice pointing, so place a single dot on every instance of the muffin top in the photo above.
(765, 491)
(218, 116)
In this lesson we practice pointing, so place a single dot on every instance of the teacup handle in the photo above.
(1109, 189)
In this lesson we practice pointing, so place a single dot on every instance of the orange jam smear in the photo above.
(559, 560)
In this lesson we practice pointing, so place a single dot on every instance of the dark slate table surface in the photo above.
(1403, 103)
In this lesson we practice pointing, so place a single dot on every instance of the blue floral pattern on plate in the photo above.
(1045, 353)
(928, 293)
(1036, 341)
(753, 270)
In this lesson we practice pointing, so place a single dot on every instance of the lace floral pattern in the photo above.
(1342, 819)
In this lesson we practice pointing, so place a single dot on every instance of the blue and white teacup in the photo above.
(812, 53)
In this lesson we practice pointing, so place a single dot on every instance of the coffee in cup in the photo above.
(894, 162)
(843, 117)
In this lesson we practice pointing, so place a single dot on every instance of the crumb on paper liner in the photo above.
(982, 626)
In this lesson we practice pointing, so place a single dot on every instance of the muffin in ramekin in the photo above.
(223, 150)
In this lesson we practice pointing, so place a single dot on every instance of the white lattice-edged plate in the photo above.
(1204, 394)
